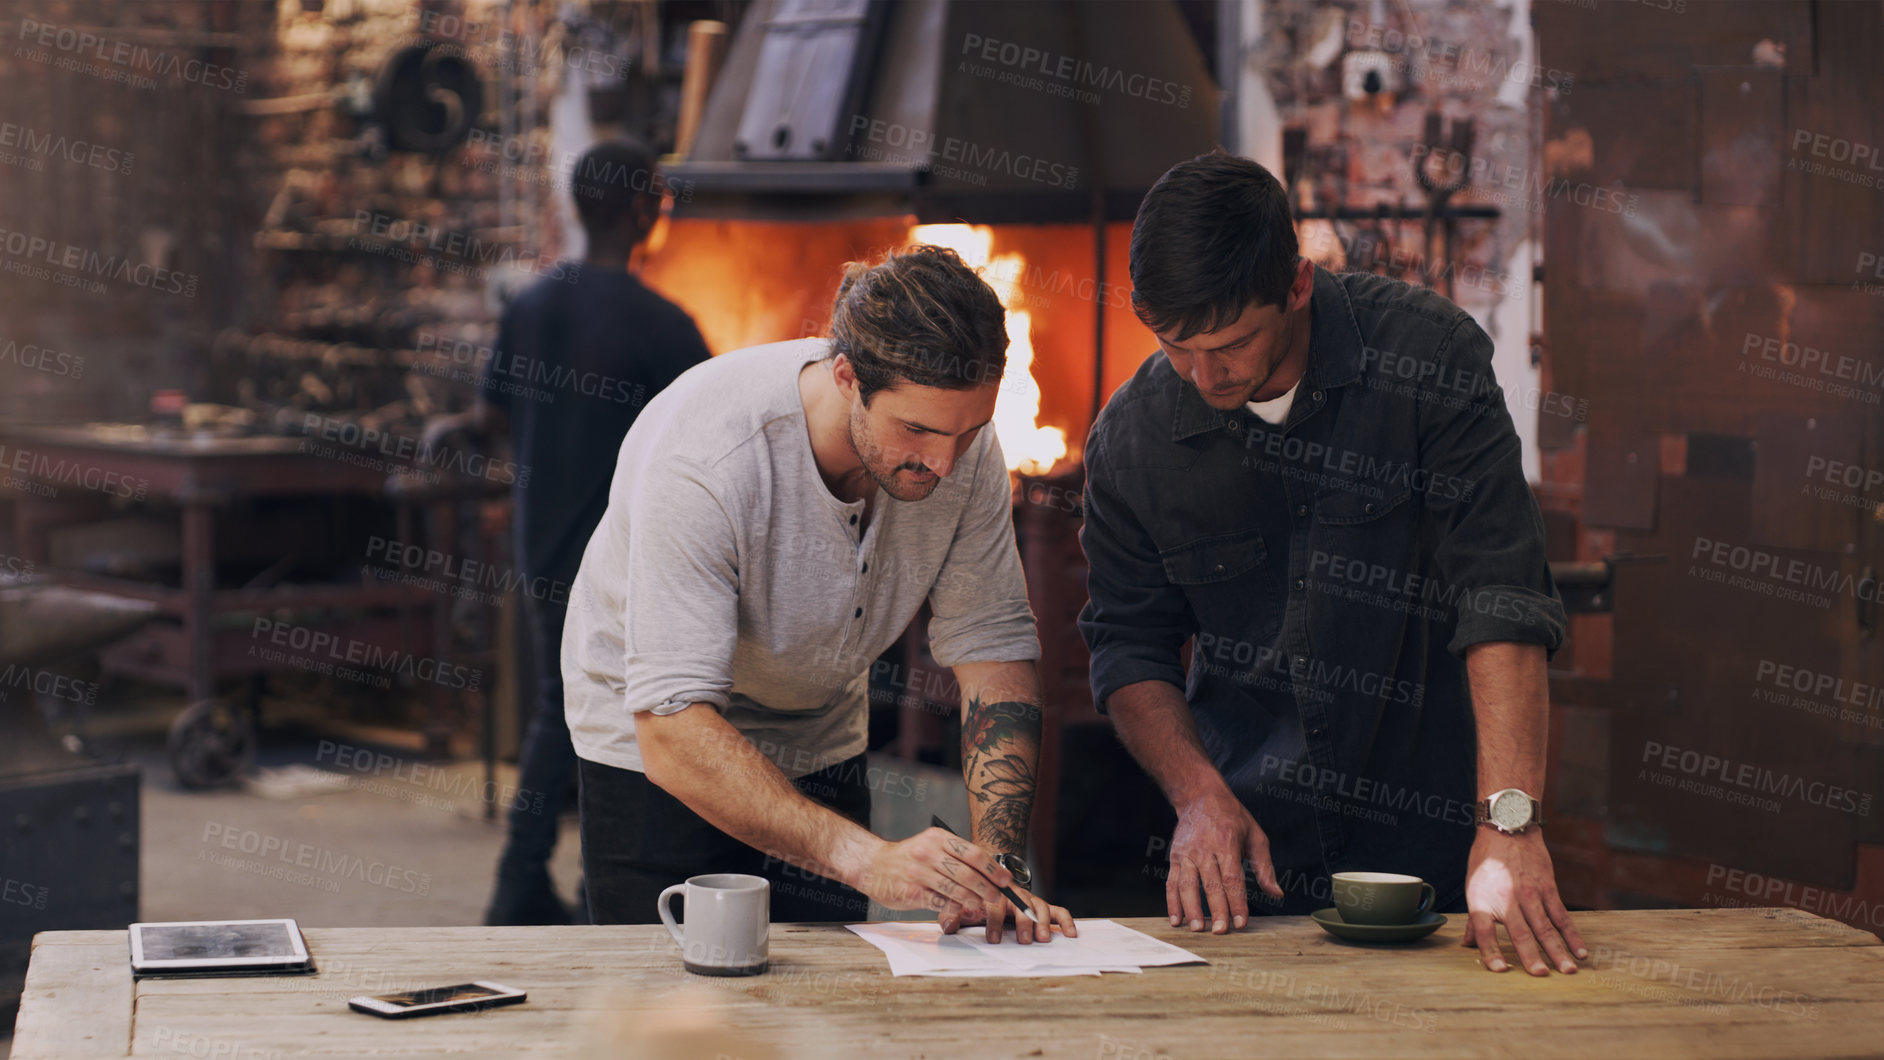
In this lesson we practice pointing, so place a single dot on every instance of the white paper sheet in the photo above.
(1101, 946)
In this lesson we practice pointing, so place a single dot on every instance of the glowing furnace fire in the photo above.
(1031, 449)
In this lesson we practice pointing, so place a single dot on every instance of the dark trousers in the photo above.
(546, 765)
(637, 840)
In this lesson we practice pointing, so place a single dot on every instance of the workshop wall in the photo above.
(1370, 98)
(251, 238)
(1722, 329)
(1359, 80)
(118, 230)
(369, 260)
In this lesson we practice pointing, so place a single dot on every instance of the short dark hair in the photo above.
(1213, 235)
(609, 179)
(922, 316)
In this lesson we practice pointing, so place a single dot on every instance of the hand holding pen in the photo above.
(1034, 918)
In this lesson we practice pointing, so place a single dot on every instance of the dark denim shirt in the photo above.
(1333, 571)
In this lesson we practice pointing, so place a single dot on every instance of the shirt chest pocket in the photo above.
(1214, 559)
(1373, 532)
(1350, 508)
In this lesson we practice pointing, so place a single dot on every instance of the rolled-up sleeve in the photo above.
(979, 600)
(680, 607)
(1135, 620)
(1491, 534)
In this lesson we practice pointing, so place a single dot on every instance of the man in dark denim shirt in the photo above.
(1317, 483)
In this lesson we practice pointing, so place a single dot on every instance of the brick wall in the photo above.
(118, 198)
(230, 223)
(1463, 60)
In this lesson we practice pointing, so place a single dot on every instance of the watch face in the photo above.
(1016, 868)
(1511, 810)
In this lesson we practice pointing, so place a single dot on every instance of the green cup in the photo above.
(1381, 897)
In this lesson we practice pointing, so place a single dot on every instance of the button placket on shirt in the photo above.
(1312, 714)
(1232, 424)
(853, 629)
(1313, 717)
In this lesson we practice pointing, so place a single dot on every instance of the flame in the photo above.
(1031, 449)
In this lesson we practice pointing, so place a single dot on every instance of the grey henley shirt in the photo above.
(724, 572)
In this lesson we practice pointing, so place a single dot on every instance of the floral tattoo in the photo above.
(1000, 744)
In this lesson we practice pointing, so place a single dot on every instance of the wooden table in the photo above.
(1663, 983)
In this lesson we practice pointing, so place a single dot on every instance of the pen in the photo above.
(1008, 892)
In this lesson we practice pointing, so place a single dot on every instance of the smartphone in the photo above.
(460, 998)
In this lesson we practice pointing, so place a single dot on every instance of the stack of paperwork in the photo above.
(1102, 946)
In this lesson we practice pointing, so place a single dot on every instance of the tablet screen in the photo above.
(197, 942)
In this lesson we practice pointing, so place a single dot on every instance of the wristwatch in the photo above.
(1511, 811)
(1015, 868)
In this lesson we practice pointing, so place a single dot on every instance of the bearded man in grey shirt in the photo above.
(778, 516)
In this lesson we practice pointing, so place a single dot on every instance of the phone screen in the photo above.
(438, 995)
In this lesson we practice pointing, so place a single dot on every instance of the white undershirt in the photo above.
(1275, 410)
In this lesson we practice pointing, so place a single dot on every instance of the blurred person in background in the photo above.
(579, 354)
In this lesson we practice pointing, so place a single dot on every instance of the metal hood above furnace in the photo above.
(979, 110)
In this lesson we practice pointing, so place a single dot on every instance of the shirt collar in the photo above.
(1334, 356)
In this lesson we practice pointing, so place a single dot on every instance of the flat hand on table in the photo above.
(1509, 880)
(1214, 836)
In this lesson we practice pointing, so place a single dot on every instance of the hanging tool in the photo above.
(1455, 161)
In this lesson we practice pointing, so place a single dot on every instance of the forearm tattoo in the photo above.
(1000, 745)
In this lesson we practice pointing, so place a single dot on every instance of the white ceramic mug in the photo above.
(727, 916)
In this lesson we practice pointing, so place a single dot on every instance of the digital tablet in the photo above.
(213, 946)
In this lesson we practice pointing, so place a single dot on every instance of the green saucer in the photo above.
(1331, 922)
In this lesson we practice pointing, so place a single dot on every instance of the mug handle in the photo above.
(1427, 896)
(667, 912)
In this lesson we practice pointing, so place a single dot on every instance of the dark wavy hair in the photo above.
(1213, 235)
(922, 316)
